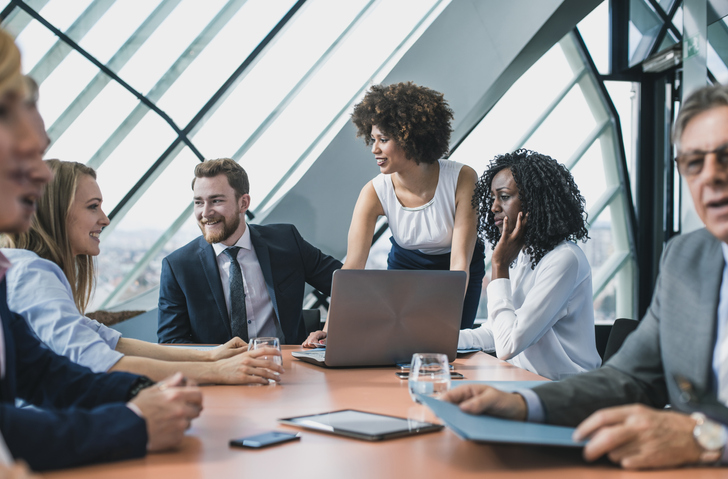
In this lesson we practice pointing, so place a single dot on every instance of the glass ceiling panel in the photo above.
(165, 199)
(644, 25)
(217, 61)
(62, 14)
(605, 305)
(120, 172)
(91, 128)
(34, 41)
(275, 74)
(594, 30)
(58, 92)
(677, 19)
(666, 4)
(564, 129)
(338, 81)
(109, 34)
(668, 41)
(167, 42)
(519, 108)
(590, 178)
(600, 245)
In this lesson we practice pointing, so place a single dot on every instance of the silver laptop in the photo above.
(382, 317)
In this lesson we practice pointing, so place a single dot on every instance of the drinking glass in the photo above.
(429, 375)
(267, 342)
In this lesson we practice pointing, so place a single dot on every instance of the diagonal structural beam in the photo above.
(61, 49)
(166, 81)
(116, 63)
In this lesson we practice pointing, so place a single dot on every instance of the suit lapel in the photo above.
(212, 274)
(710, 280)
(261, 251)
(7, 385)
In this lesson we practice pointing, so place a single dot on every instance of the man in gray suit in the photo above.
(620, 407)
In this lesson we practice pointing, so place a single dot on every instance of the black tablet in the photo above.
(362, 425)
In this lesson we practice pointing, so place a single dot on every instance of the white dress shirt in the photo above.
(258, 305)
(542, 319)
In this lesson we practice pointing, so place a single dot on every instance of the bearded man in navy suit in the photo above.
(197, 301)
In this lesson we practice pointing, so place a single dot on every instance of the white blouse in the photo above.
(427, 228)
(542, 319)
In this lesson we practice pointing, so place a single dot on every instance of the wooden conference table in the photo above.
(236, 411)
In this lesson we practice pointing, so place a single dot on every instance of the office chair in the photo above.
(621, 328)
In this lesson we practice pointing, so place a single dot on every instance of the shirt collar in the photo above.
(724, 247)
(5, 264)
(244, 242)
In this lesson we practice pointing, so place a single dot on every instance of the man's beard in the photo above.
(227, 229)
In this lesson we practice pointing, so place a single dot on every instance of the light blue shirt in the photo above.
(39, 292)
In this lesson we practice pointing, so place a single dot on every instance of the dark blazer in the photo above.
(676, 336)
(192, 305)
(85, 419)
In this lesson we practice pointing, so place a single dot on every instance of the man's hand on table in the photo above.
(635, 436)
(639, 437)
(482, 399)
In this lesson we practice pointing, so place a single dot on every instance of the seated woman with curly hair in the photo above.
(427, 199)
(540, 310)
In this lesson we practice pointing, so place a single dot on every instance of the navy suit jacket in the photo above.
(83, 420)
(192, 306)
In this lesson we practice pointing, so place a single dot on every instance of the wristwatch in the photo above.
(142, 382)
(711, 436)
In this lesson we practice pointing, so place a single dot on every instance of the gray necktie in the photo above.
(238, 314)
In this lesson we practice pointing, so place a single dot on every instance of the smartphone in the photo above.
(265, 439)
(405, 375)
(405, 367)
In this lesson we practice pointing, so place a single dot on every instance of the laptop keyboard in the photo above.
(318, 355)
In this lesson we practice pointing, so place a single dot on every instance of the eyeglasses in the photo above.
(691, 164)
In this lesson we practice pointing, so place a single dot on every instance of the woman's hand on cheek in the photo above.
(509, 245)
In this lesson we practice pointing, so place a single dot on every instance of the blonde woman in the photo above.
(53, 276)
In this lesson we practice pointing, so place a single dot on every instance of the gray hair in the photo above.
(698, 102)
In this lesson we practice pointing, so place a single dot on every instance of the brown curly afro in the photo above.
(416, 117)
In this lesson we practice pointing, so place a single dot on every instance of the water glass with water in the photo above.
(267, 342)
(429, 375)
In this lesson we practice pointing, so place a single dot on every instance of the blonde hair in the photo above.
(11, 80)
(48, 236)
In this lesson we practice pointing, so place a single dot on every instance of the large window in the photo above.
(142, 90)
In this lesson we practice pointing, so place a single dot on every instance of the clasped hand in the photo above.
(168, 409)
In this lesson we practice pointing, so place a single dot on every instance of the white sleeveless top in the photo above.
(427, 228)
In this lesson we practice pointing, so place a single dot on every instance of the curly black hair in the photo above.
(548, 195)
(416, 117)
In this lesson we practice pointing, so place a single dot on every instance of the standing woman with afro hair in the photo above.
(427, 199)
(540, 309)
